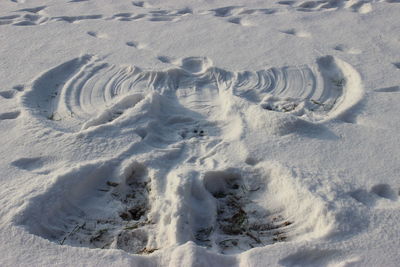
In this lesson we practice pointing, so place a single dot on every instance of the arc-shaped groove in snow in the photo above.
(73, 93)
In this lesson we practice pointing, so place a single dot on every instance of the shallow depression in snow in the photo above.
(86, 92)
(108, 205)
(199, 133)
(183, 117)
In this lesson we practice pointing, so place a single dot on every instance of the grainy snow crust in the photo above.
(199, 133)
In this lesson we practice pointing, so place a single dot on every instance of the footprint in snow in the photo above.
(9, 115)
(391, 89)
(377, 192)
(345, 49)
(7, 94)
(29, 164)
(164, 59)
(98, 35)
(34, 10)
(297, 33)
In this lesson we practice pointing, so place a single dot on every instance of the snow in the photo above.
(199, 133)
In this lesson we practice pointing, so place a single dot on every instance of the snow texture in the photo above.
(199, 133)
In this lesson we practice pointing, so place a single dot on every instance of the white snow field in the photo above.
(200, 133)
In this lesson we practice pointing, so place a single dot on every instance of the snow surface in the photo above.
(199, 133)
